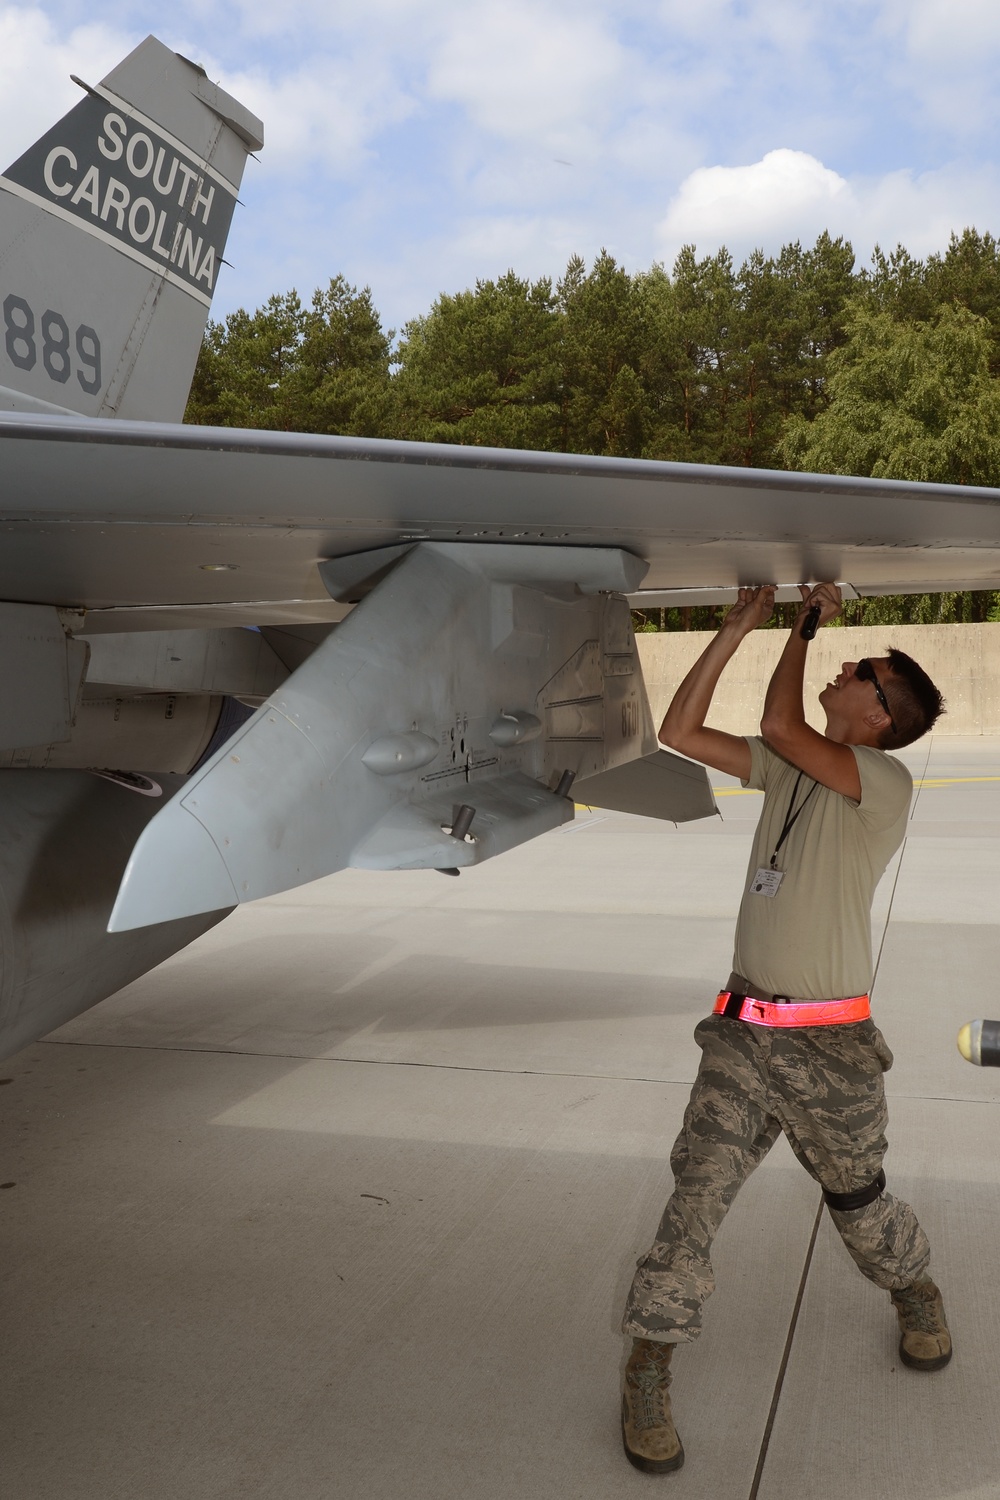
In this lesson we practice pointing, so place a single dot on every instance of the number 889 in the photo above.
(20, 344)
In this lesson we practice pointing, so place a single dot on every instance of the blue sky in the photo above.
(415, 145)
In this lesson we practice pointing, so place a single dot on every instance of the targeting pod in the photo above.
(979, 1043)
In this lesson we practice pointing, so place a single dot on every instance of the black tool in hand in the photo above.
(810, 623)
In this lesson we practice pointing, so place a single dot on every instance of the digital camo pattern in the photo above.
(823, 1087)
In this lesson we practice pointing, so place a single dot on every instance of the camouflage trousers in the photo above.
(823, 1087)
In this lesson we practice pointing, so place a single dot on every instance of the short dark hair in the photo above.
(915, 702)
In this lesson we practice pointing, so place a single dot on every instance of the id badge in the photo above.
(766, 882)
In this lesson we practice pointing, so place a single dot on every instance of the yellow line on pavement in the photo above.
(749, 791)
(952, 780)
(752, 791)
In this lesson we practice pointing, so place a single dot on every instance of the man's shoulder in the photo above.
(885, 781)
(766, 765)
(879, 763)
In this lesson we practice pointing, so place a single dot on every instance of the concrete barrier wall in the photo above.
(964, 661)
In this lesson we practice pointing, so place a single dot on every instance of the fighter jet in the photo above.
(233, 662)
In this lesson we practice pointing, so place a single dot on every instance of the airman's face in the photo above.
(852, 698)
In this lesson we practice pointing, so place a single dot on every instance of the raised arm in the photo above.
(784, 725)
(683, 726)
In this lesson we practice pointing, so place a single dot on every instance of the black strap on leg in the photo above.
(860, 1198)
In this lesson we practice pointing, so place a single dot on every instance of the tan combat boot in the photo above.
(925, 1343)
(648, 1431)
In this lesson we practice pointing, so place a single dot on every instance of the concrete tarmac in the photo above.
(344, 1199)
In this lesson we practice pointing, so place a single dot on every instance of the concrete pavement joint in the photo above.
(779, 1382)
(389, 1062)
(371, 1062)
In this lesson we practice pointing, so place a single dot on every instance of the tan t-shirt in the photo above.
(812, 940)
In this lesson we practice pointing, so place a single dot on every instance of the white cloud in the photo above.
(921, 210)
(325, 112)
(961, 31)
(945, 60)
(325, 109)
(35, 64)
(790, 195)
(521, 69)
(771, 199)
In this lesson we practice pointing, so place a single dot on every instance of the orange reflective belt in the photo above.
(805, 1013)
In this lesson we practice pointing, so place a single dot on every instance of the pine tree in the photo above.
(483, 367)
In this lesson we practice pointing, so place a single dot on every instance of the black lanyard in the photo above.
(790, 817)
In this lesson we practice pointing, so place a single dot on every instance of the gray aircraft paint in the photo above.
(239, 662)
(661, 785)
(41, 672)
(112, 229)
(126, 730)
(148, 699)
(98, 515)
(308, 786)
(66, 839)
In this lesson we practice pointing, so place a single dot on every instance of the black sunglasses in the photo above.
(866, 672)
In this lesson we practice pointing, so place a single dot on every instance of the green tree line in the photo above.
(796, 361)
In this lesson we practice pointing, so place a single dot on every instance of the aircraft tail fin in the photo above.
(112, 231)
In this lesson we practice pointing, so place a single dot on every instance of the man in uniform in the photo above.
(790, 1045)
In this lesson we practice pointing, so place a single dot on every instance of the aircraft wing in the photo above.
(137, 523)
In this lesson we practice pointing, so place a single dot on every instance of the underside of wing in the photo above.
(129, 520)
